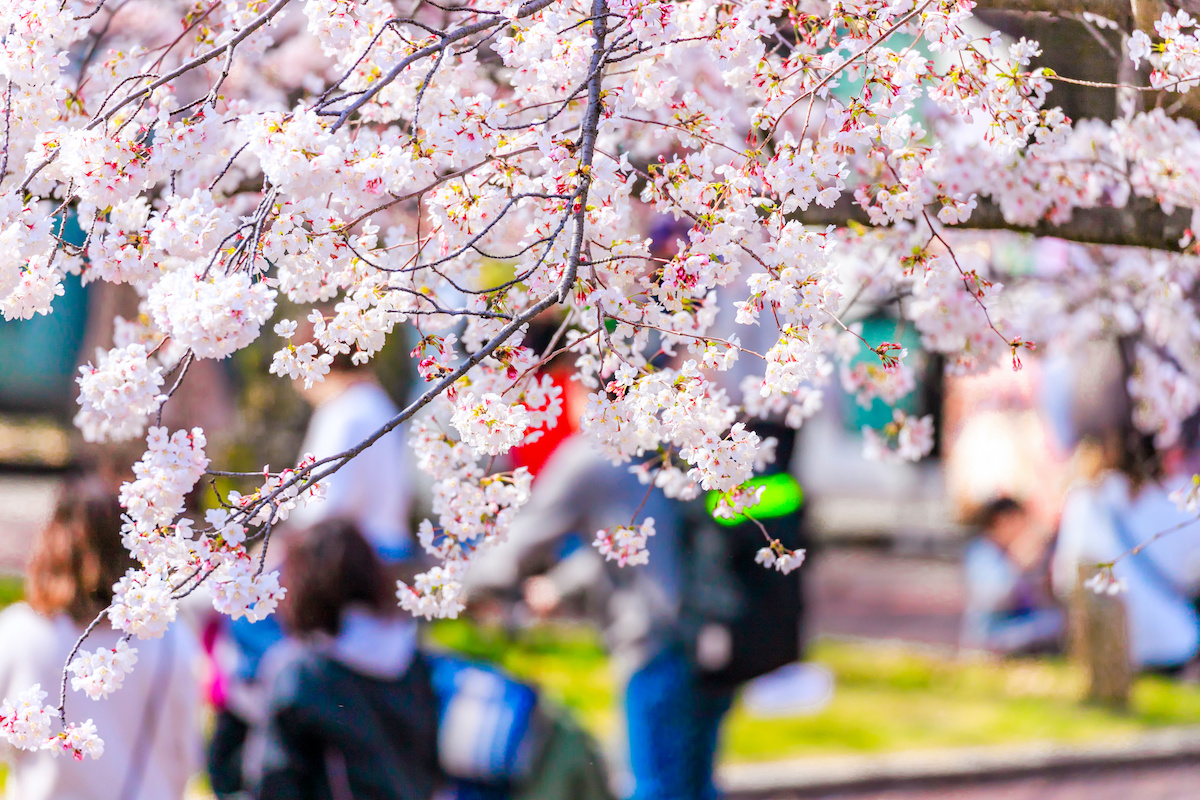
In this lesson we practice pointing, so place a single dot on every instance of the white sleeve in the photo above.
(183, 703)
(988, 578)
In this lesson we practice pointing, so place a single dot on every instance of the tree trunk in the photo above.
(1099, 642)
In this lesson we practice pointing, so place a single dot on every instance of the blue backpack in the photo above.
(488, 732)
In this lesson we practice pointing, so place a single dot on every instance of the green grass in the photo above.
(886, 697)
(12, 589)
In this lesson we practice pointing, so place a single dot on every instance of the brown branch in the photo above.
(1140, 224)
(1117, 10)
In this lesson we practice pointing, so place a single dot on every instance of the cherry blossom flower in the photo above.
(781, 559)
(25, 722)
(490, 425)
(79, 739)
(434, 594)
(118, 394)
(626, 544)
(1104, 582)
(100, 673)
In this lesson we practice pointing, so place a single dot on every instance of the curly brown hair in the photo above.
(78, 556)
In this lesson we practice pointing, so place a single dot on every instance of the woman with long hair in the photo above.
(150, 726)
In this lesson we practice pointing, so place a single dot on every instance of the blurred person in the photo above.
(546, 333)
(349, 707)
(235, 650)
(672, 716)
(1123, 502)
(375, 488)
(1009, 608)
(150, 726)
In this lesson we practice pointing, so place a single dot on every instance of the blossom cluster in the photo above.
(473, 509)
(1187, 498)
(781, 559)
(1105, 582)
(213, 318)
(489, 425)
(162, 478)
(904, 438)
(174, 554)
(625, 544)
(436, 593)
(1175, 62)
(26, 724)
(118, 394)
(98, 674)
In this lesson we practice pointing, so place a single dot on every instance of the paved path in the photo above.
(879, 595)
(1178, 782)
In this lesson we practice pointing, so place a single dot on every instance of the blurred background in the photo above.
(938, 653)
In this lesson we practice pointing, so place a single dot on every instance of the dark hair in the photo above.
(987, 516)
(1139, 459)
(329, 567)
(78, 556)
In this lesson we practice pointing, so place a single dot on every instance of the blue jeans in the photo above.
(673, 724)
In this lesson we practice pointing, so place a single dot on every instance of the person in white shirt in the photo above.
(375, 488)
(1109, 517)
(150, 726)
(373, 491)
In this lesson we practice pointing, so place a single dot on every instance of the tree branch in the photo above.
(1142, 223)
(589, 131)
(1118, 10)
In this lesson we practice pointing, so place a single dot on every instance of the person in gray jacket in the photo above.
(672, 716)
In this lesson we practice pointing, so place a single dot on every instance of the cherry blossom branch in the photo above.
(878, 40)
(62, 694)
(448, 177)
(589, 129)
(527, 8)
(1141, 223)
(200, 60)
(693, 336)
(1133, 551)
(1111, 9)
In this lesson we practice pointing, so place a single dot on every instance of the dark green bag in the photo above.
(569, 765)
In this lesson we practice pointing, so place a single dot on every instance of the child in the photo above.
(1008, 608)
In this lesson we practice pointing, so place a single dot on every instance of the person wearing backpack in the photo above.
(354, 709)
(652, 614)
(739, 620)
(349, 709)
(374, 490)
